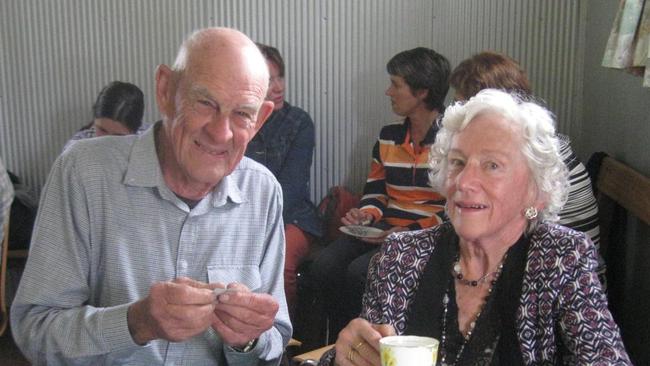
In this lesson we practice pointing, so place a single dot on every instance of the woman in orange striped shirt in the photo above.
(397, 196)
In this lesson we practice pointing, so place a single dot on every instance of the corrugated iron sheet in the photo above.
(56, 56)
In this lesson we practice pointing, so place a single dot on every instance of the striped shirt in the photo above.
(397, 190)
(108, 227)
(581, 209)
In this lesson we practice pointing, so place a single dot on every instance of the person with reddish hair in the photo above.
(488, 70)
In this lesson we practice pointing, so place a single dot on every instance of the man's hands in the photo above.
(174, 311)
(242, 316)
(180, 309)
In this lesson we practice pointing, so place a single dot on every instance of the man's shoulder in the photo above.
(249, 168)
(100, 146)
(100, 151)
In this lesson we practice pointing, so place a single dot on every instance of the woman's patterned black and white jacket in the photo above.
(562, 317)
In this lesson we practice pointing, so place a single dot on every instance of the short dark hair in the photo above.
(489, 70)
(272, 54)
(121, 102)
(423, 69)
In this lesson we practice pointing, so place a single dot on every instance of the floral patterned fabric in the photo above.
(628, 46)
(562, 316)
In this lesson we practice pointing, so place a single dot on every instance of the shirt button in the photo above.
(183, 265)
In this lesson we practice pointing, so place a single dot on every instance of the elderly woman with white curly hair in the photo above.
(500, 283)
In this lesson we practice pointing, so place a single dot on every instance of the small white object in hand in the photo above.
(218, 291)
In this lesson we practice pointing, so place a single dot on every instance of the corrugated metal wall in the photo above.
(56, 55)
(545, 36)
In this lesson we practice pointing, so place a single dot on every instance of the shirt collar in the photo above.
(429, 138)
(143, 170)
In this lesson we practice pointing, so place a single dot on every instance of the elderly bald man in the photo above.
(135, 233)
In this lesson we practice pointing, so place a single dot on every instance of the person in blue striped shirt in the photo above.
(138, 236)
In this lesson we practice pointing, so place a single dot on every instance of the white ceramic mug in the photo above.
(408, 351)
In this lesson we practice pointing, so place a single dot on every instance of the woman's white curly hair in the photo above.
(541, 147)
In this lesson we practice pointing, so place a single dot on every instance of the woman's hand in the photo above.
(380, 239)
(356, 217)
(358, 343)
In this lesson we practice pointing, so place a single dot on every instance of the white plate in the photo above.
(362, 231)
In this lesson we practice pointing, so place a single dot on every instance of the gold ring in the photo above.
(351, 355)
(358, 346)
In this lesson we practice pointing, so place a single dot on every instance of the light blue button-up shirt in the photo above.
(108, 227)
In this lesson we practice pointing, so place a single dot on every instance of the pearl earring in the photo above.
(530, 213)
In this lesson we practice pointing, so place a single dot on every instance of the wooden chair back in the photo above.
(4, 312)
(619, 184)
(624, 208)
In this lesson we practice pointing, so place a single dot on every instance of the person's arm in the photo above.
(372, 312)
(587, 328)
(375, 198)
(6, 198)
(51, 320)
(269, 346)
(294, 174)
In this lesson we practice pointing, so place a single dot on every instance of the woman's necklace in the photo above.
(472, 324)
(458, 275)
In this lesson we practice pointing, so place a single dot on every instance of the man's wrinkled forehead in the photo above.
(241, 64)
(227, 47)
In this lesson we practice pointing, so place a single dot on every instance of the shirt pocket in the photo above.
(248, 275)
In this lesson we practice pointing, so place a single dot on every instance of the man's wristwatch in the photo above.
(247, 347)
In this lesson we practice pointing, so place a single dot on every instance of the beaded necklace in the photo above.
(472, 324)
(458, 275)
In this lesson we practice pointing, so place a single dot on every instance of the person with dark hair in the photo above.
(489, 69)
(285, 145)
(397, 195)
(118, 111)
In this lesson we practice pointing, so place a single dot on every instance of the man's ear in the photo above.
(265, 111)
(165, 91)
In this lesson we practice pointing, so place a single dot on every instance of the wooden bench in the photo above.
(620, 184)
(624, 212)
(4, 312)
